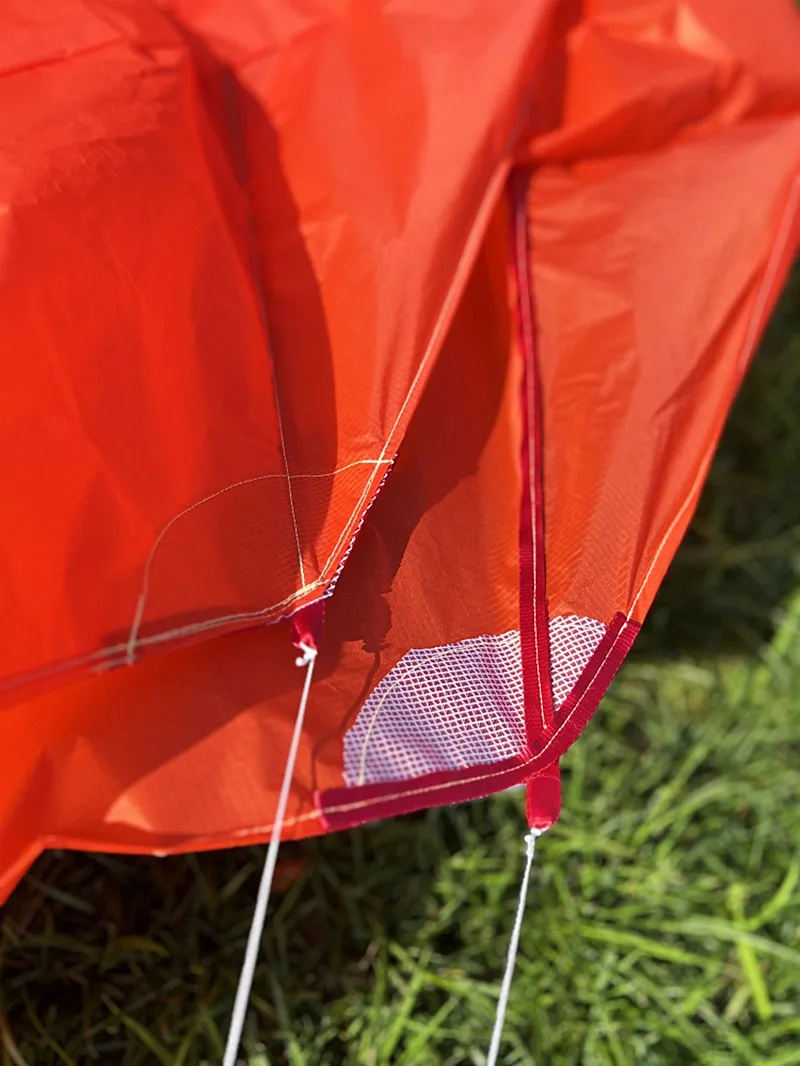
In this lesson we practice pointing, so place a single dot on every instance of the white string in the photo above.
(307, 659)
(513, 947)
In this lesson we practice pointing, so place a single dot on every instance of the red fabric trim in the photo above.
(575, 712)
(582, 702)
(306, 625)
(533, 613)
(343, 808)
(543, 797)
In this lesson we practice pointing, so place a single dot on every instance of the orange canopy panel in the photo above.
(427, 313)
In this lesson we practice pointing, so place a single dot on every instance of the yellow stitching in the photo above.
(133, 641)
(258, 830)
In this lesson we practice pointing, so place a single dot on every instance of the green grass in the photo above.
(664, 919)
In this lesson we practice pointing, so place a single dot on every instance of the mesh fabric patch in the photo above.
(458, 705)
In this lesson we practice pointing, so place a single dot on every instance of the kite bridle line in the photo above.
(307, 660)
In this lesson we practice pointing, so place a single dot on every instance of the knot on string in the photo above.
(308, 656)
(530, 842)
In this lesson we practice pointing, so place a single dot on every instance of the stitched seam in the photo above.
(240, 159)
(295, 819)
(527, 329)
(133, 639)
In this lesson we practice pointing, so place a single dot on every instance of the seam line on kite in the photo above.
(525, 764)
(257, 830)
(229, 88)
(691, 497)
(133, 639)
(526, 323)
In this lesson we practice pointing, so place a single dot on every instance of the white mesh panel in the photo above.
(441, 708)
(573, 640)
(459, 705)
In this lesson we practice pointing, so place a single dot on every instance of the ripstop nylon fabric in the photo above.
(255, 256)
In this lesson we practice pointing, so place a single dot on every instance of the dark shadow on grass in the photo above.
(89, 941)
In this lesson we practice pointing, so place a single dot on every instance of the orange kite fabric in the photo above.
(407, 326)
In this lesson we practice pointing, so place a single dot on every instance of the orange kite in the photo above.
(429, 314)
